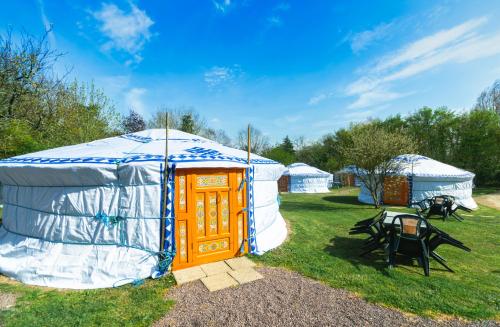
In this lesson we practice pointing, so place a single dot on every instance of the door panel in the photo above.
(211, 220)
(396, 190)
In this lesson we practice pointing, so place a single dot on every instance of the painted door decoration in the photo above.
(210, 215)
(396, 190)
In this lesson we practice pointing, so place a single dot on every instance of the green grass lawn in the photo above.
(125, 306)
(320, 247)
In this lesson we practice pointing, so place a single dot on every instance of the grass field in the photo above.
(125, 306)
(320, 247)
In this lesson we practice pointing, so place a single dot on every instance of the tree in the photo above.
(187, 123)
(133, 122)
(478, 145)
(217, 135)
(187, 120)
(158, 119)
(27, 82)
(434, 132)
(280, 155)
(287, 145)
(259, 142)
(490, 98)
(283, 152)
(372, 149)
(39, 110)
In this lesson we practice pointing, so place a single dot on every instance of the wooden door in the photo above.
(283, 183)
(396, 190)
(210, 216)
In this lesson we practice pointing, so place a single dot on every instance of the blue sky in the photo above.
(298, 68)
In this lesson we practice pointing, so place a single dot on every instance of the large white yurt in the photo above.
(307, 179)
(422, 178)
(90, 215)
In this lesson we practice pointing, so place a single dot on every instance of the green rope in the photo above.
(73, 215)
(163, 258)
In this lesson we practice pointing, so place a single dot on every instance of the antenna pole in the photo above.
(249, 146)
(165, 183)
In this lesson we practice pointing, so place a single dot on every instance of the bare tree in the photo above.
(185, 119)
(372, 150)
(259, 142)
(217, 135)
(490, 98)
(27, 79)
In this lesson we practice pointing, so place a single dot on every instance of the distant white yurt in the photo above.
(423, 178)
(306, 179)
(348, 176)
(90, 215)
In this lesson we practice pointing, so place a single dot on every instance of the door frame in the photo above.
(186, 217)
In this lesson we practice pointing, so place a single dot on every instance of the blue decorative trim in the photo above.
(410, 158)
(49, 161)
(203, 151)
(137, 158)
(252, 239)
(410, 190)
(137, 138)
(169, 244)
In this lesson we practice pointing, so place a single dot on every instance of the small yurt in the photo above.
(303, 178)
(347, 176)
(108, 212)
(422, 178)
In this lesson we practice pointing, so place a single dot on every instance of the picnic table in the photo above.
(416, 237)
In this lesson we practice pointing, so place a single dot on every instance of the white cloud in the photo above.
(222, 6)
(317, 99)
(126, 32)
(218, 76)
(275, 21)
(283, 6)
(428, 45)
(320, 97)
(374, 97)
(133, 100)
(459, 44)
(360, 41)
(47, 24)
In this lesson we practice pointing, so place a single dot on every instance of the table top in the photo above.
(389, 216)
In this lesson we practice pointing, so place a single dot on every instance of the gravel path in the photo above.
(489, 200)
(7, 300)
(282, 298)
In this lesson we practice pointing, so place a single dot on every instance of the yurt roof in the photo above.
(422, 166)
(351, 169)
(302, 169)
(184, 149)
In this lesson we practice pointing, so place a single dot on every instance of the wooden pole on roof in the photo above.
(165, 183)
(249, 144)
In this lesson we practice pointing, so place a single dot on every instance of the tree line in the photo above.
(469, 140)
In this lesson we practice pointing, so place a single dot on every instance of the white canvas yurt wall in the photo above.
(428, 178)
(307, 179)
(88, 215)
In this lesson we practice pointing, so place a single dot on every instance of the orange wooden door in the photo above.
(396, 190)
(210, 217)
